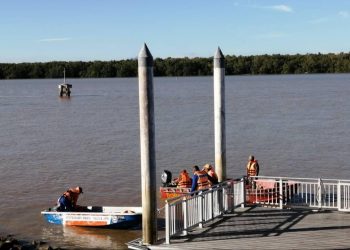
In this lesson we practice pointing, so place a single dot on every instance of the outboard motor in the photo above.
(166, 178)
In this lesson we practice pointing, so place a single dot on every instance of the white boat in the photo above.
(96, 216)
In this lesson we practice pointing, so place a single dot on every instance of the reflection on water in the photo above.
(89, 238)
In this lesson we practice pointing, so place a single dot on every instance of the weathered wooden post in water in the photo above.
(147, 145)
(219, 115)
(64, 88)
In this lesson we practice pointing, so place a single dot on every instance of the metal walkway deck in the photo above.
(270, 228)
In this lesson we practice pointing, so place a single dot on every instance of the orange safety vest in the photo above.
(185, 180)
(203, 181)
(252, 168)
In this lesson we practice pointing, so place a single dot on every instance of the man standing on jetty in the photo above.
(252, 170)
(252, 167)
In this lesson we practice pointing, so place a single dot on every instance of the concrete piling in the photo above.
(147, 146)
(219, 115)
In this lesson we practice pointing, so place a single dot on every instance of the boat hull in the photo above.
(269, 192)
(172, 192)
(107, 217)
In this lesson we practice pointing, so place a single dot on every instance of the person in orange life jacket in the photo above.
(212, 176)
(200, 179)
(252, 170)
(184, 180)
(252, 167)
(68, 201)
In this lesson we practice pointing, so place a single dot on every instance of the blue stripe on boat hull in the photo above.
(108, 219)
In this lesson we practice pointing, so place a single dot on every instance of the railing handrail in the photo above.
(300, 178)
(300, 192)
(170, 200)
(189, 210)
(193, 209)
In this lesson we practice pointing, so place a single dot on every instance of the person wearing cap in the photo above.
(68, 201)
(252, 167)
(252, 170)
(212, 176)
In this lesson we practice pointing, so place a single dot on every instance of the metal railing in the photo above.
(192, 210)
(300, 192)
(239, 192)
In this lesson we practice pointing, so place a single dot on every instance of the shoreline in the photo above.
(11, 242)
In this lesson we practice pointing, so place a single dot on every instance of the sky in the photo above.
(89, 30)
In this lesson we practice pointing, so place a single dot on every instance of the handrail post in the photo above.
(211, 203)
(224, 204)
(253, 187)
(338, 196)
(281, 193)
(200, 199)
(319, 194)
(167, 222)
(243, 192)
(185, 214)
(232, 197)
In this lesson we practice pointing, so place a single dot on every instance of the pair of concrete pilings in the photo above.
(147, 137)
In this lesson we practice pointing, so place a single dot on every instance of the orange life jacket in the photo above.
(203, 181)
(252, 168)
(185, 180)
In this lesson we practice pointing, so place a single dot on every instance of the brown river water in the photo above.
(295, 125)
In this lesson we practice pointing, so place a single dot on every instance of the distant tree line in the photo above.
(235, 65)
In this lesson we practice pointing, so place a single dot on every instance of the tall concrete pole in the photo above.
(219, 115)
(147, 146)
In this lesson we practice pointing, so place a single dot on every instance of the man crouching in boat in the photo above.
(200, 180)
(68, 201)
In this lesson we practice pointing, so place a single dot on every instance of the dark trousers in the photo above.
(65, 204)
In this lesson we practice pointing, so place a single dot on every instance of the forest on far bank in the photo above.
(199, 66)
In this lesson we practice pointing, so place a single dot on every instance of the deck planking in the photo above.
(269, 228)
